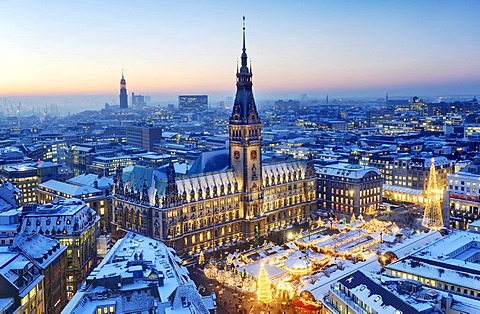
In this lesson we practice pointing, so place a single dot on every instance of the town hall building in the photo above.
(227, 196)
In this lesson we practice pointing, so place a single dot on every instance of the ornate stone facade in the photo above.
(248, 200)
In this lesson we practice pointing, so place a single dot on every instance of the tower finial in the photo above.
(244, 48)
(122, 73)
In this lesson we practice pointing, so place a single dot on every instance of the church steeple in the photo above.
(123, 93)
(244, 108)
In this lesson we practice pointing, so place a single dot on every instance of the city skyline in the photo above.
(342, 48)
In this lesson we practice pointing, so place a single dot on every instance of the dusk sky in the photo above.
(171, 47)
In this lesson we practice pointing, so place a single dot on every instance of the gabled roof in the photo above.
(88, 179)
(387, 302)
(72, 190)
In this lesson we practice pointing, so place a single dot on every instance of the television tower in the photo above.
(432, 216)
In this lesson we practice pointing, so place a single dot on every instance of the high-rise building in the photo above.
(193, 102)
(143, 136)
(138, 101)
(123, 93)
(227, 195)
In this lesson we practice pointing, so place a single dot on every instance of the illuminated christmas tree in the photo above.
(264, 288)
(432, 217)
(352, 219)
(201, 258)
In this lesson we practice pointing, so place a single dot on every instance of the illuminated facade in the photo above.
(241, 199)
(50, 256)
(350, 189)
(23, 177)
(94, 197)
(192, 102)
(106, 166)
(75, 225)
(21, 280)
(406, 176)
(464, 196)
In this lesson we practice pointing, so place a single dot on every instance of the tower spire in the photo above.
(244, 109)
(244, 50)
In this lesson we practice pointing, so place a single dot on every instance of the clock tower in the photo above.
(245, 134)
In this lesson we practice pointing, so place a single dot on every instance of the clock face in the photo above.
(236, 154)
(253, 155)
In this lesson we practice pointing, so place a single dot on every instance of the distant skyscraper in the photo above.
(123, 93)
(193, 102)
(138, 101)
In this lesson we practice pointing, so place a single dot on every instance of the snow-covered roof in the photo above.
(402, 189)
(41, 249)
(346, 170)
(446, 260)
(280, 172)
(222, 181)
(88, 179)
(46, 164)
(211, 161)
(11, 264)
(145, 268)
(68, 189)
(322, 285)
(5, 304)
(61, 217)
(154, 181)
(377, 297)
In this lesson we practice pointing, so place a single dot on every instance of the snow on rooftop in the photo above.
(42, 249)
(322, 285)
(62, 217)
(69, 189)
(136, 262)
(88, 179)
(445, 260)
(346, 170)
